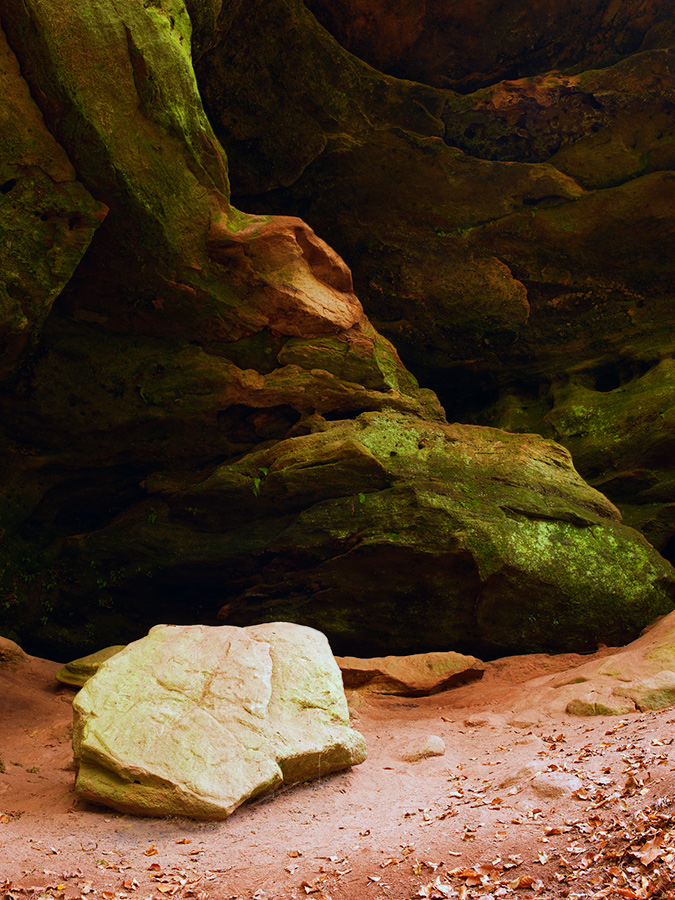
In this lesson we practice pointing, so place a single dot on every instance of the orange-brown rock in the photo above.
(411, 676)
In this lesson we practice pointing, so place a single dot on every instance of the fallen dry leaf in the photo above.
(436, 890)
(464, 872)
(525, 882)
(650, 851)
(488, 870)
(151, 851)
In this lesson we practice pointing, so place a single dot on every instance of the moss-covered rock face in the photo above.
(77, 672)
(47, 217)
(393, 534)
(505, 238)
(189, 332)
(208, 424)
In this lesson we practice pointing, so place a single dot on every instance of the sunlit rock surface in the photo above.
(416, 675)
(194, 721)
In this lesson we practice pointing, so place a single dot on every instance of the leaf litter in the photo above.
(613, 837)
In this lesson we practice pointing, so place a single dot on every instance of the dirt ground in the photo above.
(523, 803)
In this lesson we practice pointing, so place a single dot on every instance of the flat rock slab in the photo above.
(195, 720)
(410, 676)
(77, 672)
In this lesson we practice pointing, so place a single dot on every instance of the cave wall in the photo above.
(204, 417)
(508, 215)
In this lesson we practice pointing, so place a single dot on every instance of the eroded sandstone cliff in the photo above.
(199, 421)
(508, 215)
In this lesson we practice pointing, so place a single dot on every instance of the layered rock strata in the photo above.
(198, 417)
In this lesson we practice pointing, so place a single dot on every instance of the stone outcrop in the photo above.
(189, 331)
(78, 671)
(194, 721)
(510, 240)
(615, 682)
(199, 419)
(392, 535)
(465, 46)
(412, 676)
(640, 676)
(11, 655)
(47, 217)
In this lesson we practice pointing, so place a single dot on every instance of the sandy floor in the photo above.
(521, 801)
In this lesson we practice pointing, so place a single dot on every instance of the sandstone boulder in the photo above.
(194, 720)
(423, 747)
(11, 655)
(410, 676)
(555, 784)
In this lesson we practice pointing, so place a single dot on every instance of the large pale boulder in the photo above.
(196, 720)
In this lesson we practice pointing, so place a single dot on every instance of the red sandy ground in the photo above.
(439, 827)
